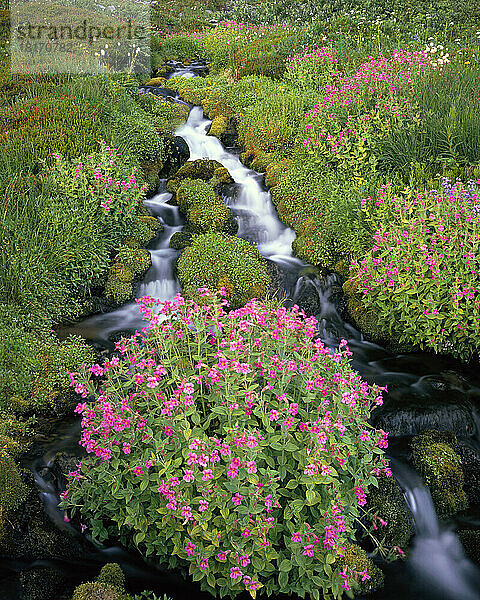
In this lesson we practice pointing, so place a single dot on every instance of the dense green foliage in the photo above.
(358, 103)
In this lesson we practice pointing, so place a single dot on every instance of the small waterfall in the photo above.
(258, 220)
(437, 561)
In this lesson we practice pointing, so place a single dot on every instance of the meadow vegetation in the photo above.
(336, 111)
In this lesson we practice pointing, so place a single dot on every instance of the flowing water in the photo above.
(424, 390)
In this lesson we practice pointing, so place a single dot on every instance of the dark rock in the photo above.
(417, 416)
(30, 534)
(175, 154)
(41, 583)
(470, 458)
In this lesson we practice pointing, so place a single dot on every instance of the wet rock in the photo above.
(413, 419)
(307, 296)
(470, 458)
(41, 583)
(440, 466)
(30, 534)
(175, 154)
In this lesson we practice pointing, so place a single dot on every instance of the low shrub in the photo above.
(217, 260)
(34, 366)
(248, 439)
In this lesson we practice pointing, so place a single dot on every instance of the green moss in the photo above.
(204, 210)
(222, 175)
(218, 260)
(365, 319)
(119, 284)
(357, 561)
(388, 503)
(470, 539)
(219, 126)
(261, 161)
(180, 240)
(12, 489)
(440, 466)
(202, 168)
(112, 574)
(157, 81)
(136, 260)
(97, 591)
(146, 228)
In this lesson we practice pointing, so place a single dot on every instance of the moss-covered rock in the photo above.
(204, 210)
(202, 168)
(41, 583)
(261, 161)
(12, 489)
(180, 240)
(217, 260)
(219, 126)
(388, 504)
(222, 175)
(156, 81)
(136, 260)
(434, 456)
(97, 591)
(119, 283)
(470, 539)
(364, 318)
(112, 574)
(145, 230)
(357, 562)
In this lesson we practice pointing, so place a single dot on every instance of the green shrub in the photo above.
(34, 130)
(217, 260)
(441, 468)
(34, 367)
(249, 490)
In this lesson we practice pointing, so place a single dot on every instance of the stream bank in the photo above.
(425, 391)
